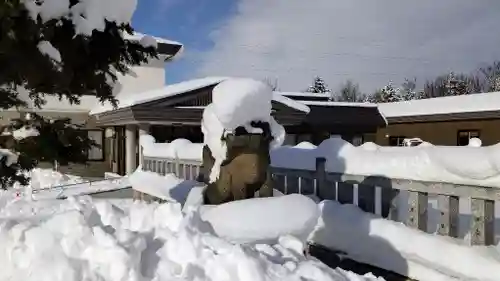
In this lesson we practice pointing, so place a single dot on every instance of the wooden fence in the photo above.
(374, 194)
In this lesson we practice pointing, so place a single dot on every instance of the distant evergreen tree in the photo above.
(318, 86)
(456, 86)
(387, 94)
(495, 87)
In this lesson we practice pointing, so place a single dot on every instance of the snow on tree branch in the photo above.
(87, 15)
(47, 49)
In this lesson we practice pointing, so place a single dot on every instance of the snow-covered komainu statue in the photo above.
(245, 170)
(239, 132)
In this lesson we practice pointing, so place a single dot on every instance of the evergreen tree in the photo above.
(66, 54)
(387, 94)
(495, 87)
(456, 86)
(318, 86)
(376, 97)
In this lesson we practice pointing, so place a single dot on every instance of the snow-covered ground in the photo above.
(100, 239)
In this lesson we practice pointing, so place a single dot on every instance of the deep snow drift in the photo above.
(77, 239)
(126, 236)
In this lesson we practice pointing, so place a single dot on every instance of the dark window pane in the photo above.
(396, 141)
(463, 137)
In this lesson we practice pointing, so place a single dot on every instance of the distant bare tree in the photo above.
(452, 84)
(349, 92)
(376, 97)
(273, 83)
(409, 91)
(491, 76)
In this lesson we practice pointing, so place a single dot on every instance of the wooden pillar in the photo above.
(143, 130)
(130, 149)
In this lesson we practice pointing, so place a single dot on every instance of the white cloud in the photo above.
(369, 41)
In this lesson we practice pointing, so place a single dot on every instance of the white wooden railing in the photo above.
(374, 194)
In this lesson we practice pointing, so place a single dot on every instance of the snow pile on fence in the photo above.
(47, 178)
(80, 239)
(393, 246)
(177, 149)
(468, 165)
(167, 187)
(237, 102)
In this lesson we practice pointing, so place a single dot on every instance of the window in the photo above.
(396, 141)
(290, 139)
(464, 136)
(357, 140)
(96, 153)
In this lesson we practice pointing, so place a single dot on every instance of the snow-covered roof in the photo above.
(276, 97)
(338, 103)
(305, 94)
(443, 105)
(53, 104)
(279, 97)
(137, 36)
(162, 42)
(131, 99)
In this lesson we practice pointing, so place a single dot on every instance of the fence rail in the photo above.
(374, 194)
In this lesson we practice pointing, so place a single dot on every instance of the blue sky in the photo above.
(291, 41)
(187, 21)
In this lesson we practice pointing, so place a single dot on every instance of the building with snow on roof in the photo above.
(451, 120)
(175, 111)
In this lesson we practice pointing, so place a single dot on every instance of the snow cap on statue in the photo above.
(239, 101)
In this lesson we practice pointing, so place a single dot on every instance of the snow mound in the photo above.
(73, 240)
(148, 41)
(264, 219)
(177, 149)
(305, 145)
(475, 142)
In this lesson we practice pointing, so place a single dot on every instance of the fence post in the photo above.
(483, 222)
(321, 183)
(177, 167)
